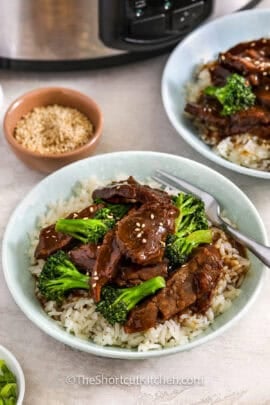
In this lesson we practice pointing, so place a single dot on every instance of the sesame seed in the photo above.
(118, 187)
(223, 57)
(94, 285)
(265, 73)
(75, 215)
(267, 88)
(162, 243)
(53, 129)
(161, 224)
(94, 273)
(53, 236)
(264, 41)
(144, 240)
(91, 209)
(262, 52)
(95, 278)
(110, 216)
(137, 229)
(139, 235)
(85, 218)
(138, 224)
(143, 225)
(152, 216)
(209, 109)
(253, 44)
(256, 62)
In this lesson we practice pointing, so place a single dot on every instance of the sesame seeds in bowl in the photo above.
(49, 128)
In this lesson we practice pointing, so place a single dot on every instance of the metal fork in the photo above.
(212, 208)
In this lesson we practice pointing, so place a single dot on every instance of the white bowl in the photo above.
(202, 46)
(107, 167)
(16, 369)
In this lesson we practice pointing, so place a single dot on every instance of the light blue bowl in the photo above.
(203, 45)
(106, 167)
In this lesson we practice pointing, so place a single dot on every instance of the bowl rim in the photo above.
(54, 156)
(116, 352)
(12, 360)
(190, 136)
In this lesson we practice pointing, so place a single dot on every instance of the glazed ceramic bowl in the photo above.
(16, 369)
(107, 167)
(48, 96)
(202, 46)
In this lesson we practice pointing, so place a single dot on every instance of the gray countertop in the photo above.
(235, 366)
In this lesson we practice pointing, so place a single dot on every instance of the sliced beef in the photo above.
(84, 256)
(142, 317)
(263, 96)
(190, 286)
(121, 192)
(141, 235)
(105, 267)
(245, 121)
(130, 191)
(207, 114)
(130, 274)
(219, 74)
(248, 58)
(50, 241)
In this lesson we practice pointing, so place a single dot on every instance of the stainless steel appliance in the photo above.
(65, 34)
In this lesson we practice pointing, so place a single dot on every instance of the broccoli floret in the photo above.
(8, 385)
(115, 211)
(116, 303)
(179, 249)
(59, 276)
(235, 96)
(86, 230)
(191, 229)
(191, 214)
(93, 229)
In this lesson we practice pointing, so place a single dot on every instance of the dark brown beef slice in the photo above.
(141, 235)
(121, 192)
(205, 112)
(130, 191)
(130, 274)
(50, 241)
(142, 317)
(192, 284)
(248, 58)
(245, 121)
(84, 256)
(106, 264)
(219, 74)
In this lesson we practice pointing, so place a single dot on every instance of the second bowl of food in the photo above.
(48, 128)
(125, 269)
(216, 91)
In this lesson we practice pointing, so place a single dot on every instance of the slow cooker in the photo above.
(71, 34)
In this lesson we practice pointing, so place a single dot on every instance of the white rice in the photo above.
(244, 149)
(77, 314)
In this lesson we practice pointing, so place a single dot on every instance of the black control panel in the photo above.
(141, 25)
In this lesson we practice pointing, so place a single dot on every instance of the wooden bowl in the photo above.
(47, 163)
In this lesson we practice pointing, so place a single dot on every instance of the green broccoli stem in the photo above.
(85, 230)
(131, 296)
(69, 284)
(199, 237)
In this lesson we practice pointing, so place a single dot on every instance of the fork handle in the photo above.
(259, 250)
